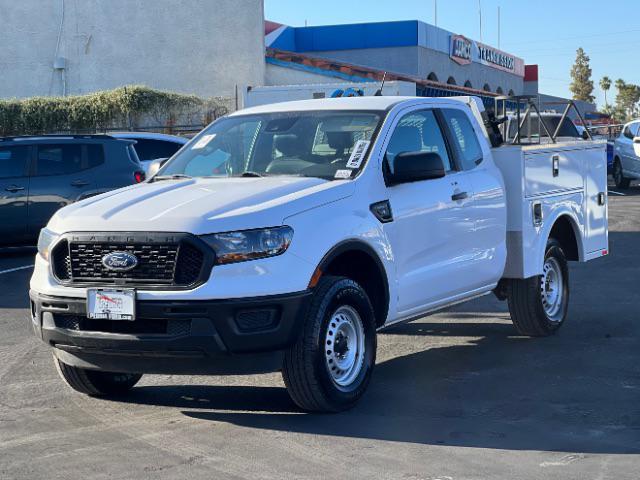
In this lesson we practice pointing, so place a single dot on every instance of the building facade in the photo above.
(411, 48)
(65, 47)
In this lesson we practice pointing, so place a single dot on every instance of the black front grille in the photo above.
(140, 326)
(78, 260)
(156, 263)
(190, 260)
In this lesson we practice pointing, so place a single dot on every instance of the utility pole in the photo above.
(498, 26)
(480, 13)
(435, 11)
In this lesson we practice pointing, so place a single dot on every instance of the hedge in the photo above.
(122, 107)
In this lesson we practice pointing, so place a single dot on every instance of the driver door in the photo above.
(432, 230)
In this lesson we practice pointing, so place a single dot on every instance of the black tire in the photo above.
(94, 382)
(306, 370)
(620, 180)
(527, 301)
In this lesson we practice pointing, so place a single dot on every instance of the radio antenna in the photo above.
(379, 92)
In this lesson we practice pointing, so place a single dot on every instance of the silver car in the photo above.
(626, 159)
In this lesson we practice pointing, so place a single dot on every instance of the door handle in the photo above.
(14, 188)
(79, 183)
(456, 197)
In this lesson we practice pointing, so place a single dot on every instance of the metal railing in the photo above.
(504, 104)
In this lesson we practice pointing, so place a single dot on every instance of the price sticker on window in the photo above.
(203, 142)
(359, 151)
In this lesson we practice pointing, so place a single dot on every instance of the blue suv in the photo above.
(39, 175)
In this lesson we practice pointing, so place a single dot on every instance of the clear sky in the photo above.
(546, 32)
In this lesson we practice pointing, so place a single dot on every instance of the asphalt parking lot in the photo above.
(457, 395)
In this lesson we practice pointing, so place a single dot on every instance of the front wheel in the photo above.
(329, 367)
(538, 305)
(96, 383)
(618, 176)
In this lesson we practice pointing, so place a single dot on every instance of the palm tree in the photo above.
(605, 85)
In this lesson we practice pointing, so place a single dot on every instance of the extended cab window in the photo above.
(418, 132)
(13, 161)
(464, 137)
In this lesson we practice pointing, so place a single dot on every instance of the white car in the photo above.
(284, 237)
(152, 146)
(626, 155)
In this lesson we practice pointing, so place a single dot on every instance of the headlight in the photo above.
(45, 240)
(232, 247)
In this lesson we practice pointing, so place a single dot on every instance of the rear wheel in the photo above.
(538, 305)
(94, 382)
(618, 175)
(328, 369)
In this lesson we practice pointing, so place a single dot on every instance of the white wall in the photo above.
(204, 47)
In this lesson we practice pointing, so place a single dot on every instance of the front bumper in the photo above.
(242, 336)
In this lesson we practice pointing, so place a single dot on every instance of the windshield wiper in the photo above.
(177, 176)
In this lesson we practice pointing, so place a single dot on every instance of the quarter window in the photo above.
(13, 161)
(418, 132)
(464, 138)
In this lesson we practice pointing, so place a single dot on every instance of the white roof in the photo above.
(343, 103)
(353, 103)
(150, 136)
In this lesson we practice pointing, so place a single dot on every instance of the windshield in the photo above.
(325, 144)
(533, 129)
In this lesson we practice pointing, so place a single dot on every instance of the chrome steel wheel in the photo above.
(552, 289)
(344, 346)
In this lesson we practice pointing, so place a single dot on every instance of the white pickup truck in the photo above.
(283, 237)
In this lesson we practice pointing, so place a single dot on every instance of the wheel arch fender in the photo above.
(566, 228)
(361, 262)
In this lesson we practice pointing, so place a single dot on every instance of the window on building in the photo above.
(468, 84)
(451, 81)
(433, 77)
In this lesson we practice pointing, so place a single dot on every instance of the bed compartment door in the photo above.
(548, 172)
(596, 243)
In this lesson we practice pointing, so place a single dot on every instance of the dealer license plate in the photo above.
(107, 304)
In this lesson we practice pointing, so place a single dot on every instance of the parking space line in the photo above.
(618, 193)
(15, 269)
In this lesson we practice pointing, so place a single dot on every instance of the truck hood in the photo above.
(200, 205)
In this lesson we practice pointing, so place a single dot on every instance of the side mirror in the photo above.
(415, 166)
(636, 140)
(585, 135)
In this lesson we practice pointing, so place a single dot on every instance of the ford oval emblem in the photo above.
(120, 261)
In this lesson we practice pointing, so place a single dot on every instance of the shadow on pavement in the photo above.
(498, 391)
